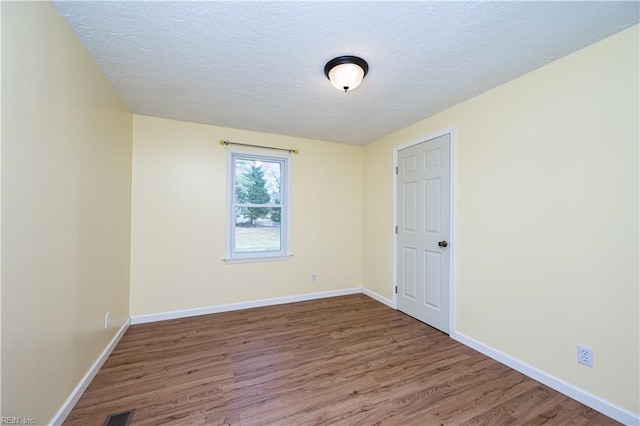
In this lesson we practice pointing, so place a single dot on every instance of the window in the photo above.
(258, 208)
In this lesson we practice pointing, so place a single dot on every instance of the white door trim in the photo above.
(452, 244)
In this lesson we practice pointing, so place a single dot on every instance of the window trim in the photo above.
(285, 203)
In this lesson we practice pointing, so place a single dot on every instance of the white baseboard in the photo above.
(590, 400)
(184, 313)
(59, 417)
(376, 296)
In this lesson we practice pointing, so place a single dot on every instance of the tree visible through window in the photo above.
(258, 206)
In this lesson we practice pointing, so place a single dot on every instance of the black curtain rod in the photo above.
(289, 150)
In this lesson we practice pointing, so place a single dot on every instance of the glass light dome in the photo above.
(346, 72)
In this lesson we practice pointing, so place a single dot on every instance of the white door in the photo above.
(423, 195)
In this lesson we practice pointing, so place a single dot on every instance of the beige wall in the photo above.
(547, 216)
(179, 218)
(0, 215)
(66, 176)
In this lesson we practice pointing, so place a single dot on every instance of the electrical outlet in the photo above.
(314, 278)
(106, 320)
(585, 356)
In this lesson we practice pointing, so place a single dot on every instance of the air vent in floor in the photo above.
(120, 419)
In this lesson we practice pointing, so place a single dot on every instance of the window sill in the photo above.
(254, 259)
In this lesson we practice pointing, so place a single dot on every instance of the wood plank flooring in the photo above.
(344, 360)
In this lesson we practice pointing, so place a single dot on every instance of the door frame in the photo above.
(452, 197)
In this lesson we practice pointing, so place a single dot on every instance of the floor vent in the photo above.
(120, 419)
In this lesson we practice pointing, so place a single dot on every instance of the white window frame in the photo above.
(285, 205)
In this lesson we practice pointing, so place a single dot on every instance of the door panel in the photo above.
(432, 208)
(409, 272)
(410, 163)
(424, 221)
(410, 214)
(432, 270)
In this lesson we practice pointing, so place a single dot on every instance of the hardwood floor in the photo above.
(344, 360)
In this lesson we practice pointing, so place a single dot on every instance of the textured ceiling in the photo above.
(259, 65)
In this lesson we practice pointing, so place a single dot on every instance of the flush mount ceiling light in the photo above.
(346, 72)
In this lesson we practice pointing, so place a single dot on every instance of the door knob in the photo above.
(443, 243)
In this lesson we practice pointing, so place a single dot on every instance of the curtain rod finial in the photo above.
(223, 142)
(295, 151)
